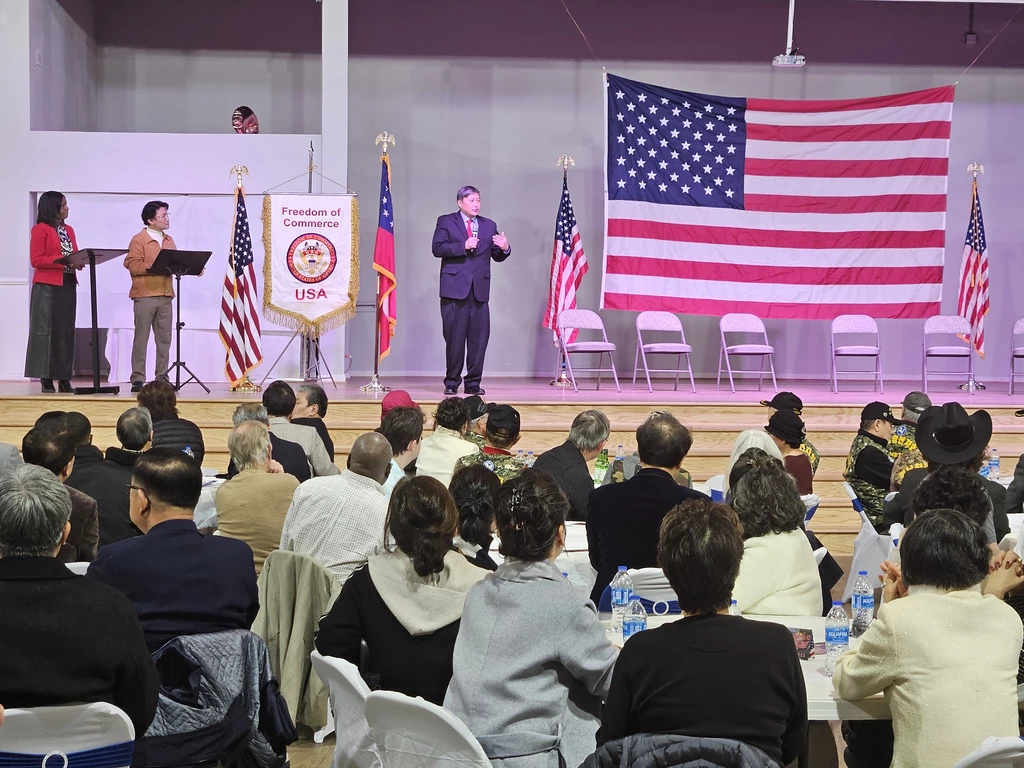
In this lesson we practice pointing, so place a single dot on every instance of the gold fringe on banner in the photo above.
(334, 319)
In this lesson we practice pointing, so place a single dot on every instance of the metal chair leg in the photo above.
(771, 364)
(636, 363)
(728, 367)
(572, 376)
(760, 374)
(615, 374)
(718, 381)
(679, 363)
(689, 368)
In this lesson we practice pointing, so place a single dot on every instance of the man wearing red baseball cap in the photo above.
(394, 399)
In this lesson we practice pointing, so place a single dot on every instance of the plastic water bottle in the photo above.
(895, 532)
(993, 464)
(622, 593)
(620, 453)
(601, 467)
(635, 619)
(863, 605)
(734, 608)
(521, 457)
(837, 636)
(530, 458)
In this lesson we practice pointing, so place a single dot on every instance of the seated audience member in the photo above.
(948, 436)
(959, 488)
(63, 639)
(340, 520)
(169, 429)
(54, 450)
(135, 433)
(620, 470)
(403, 428)
(623, 519)
(944, 655)
(787, 430)
(279, 400)
(103, 480)
(252, 505)
(683, 678)
(475, 490)
(394, 399)
(1015, 492)
(904, 432)
(530, 703)
(477, 429)
(868, 466)
(746, 440)
(310, 409)
(9, 458)
(502, 433)
(568, 463)
(787, 401)
(290, 456)
(778, 575)
(407, 602)
(444, 446)
(180, 582)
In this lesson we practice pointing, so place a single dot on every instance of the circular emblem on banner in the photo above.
(902, 430)
(311, 258)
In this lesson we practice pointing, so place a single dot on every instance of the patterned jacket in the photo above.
(502, 463)
(871, 496)
(907, 461)
(475, 439)
(903, 440)
(807, 448)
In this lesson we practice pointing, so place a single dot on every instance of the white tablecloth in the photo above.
(822, 701)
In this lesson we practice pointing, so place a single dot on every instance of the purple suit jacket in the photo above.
(462, 272)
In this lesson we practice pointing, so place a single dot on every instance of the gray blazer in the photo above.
(316, 453)
(532, 665)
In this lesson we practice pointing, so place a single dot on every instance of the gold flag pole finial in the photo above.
(237, 171)
(974, 169)
(385, 137)
(565, 162)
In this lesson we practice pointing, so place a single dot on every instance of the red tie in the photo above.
(469, 227)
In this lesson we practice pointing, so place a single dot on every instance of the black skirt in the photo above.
(51, 332)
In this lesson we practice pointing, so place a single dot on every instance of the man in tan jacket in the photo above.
(151, 294)
(252, 505)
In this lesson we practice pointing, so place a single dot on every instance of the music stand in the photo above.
(178, 263)
(92, 257)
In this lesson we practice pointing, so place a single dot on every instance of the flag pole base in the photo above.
(562, 380)
(247, 385)
(971, 386)
(374, 386)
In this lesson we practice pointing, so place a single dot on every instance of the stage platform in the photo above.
(714, 417)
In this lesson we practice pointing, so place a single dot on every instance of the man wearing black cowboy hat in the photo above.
(787, 401)
(948, 435)
(868, 467)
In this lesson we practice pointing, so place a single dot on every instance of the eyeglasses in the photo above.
(131, 488)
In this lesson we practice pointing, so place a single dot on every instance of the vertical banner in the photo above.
(311, 266)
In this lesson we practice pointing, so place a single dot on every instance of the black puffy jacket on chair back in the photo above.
(647, 750)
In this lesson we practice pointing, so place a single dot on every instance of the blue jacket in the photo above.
(181, 582)
(462, 271)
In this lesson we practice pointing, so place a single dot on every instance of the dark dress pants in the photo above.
(466, 324)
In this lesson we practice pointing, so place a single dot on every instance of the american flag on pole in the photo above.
(787, 209)
(384, 260)
(239, 315)
(972, 302)
(568, 264)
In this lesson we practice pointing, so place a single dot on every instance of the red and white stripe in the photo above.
(566, 275)
(242, 334)
(972, 300)
(845, 212)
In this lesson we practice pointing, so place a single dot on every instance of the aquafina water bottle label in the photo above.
(837, 635)
(866, 602)
(631, 627)
(620, 596)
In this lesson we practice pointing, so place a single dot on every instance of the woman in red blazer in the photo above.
(51, 330)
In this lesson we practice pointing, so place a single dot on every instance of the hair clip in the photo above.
(517, 498)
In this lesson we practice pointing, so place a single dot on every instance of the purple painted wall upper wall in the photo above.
(827, 31)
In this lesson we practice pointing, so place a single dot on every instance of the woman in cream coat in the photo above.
(944, 655)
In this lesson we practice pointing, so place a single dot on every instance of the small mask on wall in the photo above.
(244, 121)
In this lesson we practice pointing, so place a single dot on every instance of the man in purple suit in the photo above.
(466, 242)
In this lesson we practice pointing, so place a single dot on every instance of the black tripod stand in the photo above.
(176, 264)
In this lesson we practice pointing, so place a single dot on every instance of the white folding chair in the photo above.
(811, 502)
(946, 325)
(354, 746)
(99, 728)
(571, 320)
(669, 323)
(77, 568)
(716, 484)
(819, 555)
(413, 733)
(741, 322)
(996, 752)
(870, 548)
(856, 325)
(1016, 352)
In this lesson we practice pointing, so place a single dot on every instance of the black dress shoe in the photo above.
(448, 391)
(65, 386)
(47, 385)
(137, 386)
(477, 391)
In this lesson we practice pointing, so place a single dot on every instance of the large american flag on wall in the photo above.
(787, 209)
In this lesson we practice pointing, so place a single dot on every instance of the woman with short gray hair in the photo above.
(35, 508)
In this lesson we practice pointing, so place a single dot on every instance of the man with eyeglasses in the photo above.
(180, 582)
(150, 294)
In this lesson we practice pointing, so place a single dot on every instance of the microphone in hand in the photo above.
(473, 241)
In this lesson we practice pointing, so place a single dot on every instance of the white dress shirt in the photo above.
(395, 473)
(338, 520)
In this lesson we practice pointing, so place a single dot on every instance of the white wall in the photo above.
(500, 124)
(63, 67)
(167, 91)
